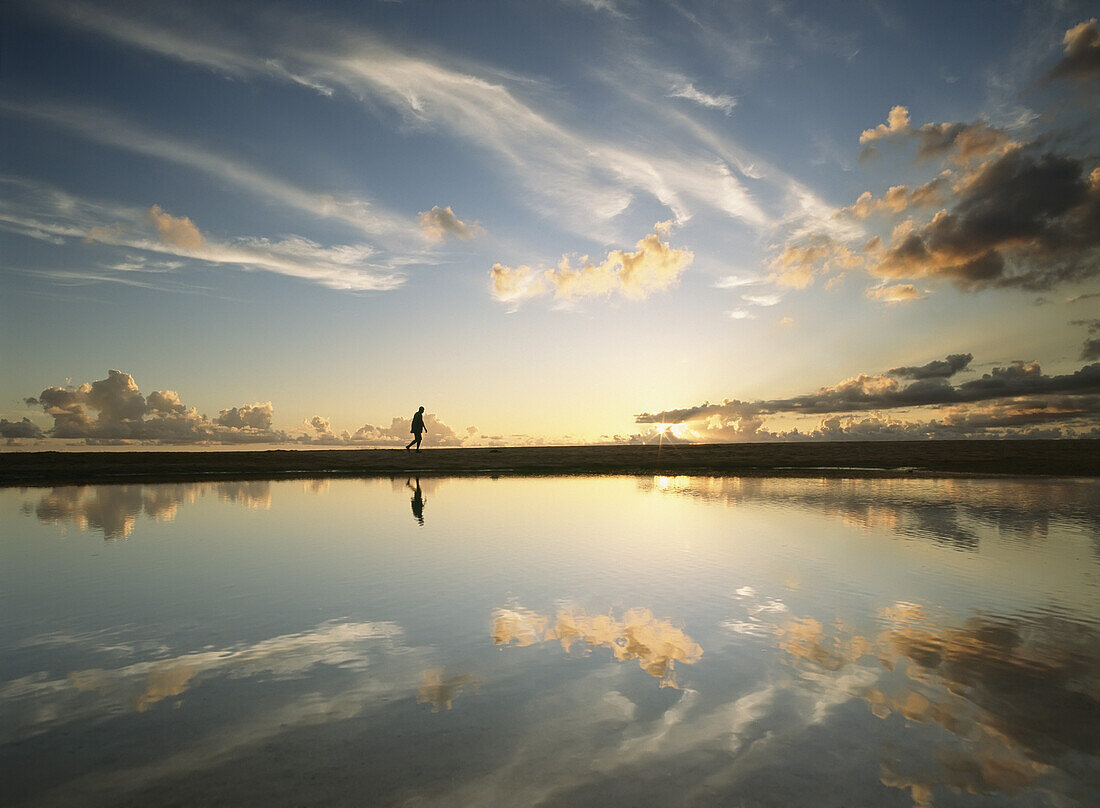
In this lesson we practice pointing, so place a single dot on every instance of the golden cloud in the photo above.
(175, 231)
(657, 644)
(653, 266)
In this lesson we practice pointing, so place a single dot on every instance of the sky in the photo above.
(555, 221)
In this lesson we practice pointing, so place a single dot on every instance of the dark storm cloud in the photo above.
(883, 392)
(1024, 219)
(1091, 348)
(936, 369)
(1081, 59)
(19, 429)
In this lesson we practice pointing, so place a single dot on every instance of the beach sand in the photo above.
(848, 459)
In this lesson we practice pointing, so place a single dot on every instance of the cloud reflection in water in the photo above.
(114, 509)
(657, 644)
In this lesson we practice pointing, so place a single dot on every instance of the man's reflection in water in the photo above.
(417, 500)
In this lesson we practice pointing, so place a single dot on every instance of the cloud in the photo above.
(175, 231)
(249, 416)
(936, 369)
(91, 694)
(897, 199)
(1005, 402)
(898, 293)
(897, 123)
(1024, 219)
(113, 409)
(581, 179)
(438, 223)
(13, 430)
(359, 213)
(799, 263)
(1003, 211)
(114, 509)
(1081, 58)
(40, 211)
(656, 644)
(652, 267)
(687, 90)
(733, 281)
(1090, 351)
(962, 141)
(762, 300)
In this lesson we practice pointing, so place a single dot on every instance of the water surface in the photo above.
(552, 641)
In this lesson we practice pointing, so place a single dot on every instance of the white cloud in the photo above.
(762, 300)
(579, 179)
(34, 209)
(687, 90)
(103, 127)
(898, 293)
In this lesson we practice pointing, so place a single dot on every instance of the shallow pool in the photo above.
(552, 641)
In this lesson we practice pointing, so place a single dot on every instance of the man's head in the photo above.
(421, 410)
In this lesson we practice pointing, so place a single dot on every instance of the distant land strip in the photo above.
(1073, 458)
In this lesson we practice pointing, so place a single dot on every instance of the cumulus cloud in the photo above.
(1091, 349)
(1004, 210)
(936, 369)
(114, 409)
(1025, 219)
(897, 123)
(1081, 57)
(653, 266)
(961, 141)
(439, 223)
(897, 199)
(114, 510)
(1004, 402)
(14, 430)
(249, 416)
(1008, 214)
(175, 231)
(657, 644)
(800, 262)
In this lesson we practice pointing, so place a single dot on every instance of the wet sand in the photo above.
(1079, 458)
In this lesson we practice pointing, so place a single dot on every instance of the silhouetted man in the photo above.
(417, 501)
(417, 429)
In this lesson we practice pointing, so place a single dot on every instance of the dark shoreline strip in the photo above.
(1068, 458)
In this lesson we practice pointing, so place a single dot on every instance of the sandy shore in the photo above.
(917, 458)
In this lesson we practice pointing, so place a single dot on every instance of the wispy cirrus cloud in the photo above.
(112, 130)
(47, 213)
(689, 91)
(584, 181)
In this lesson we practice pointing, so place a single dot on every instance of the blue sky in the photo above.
(547, 221)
